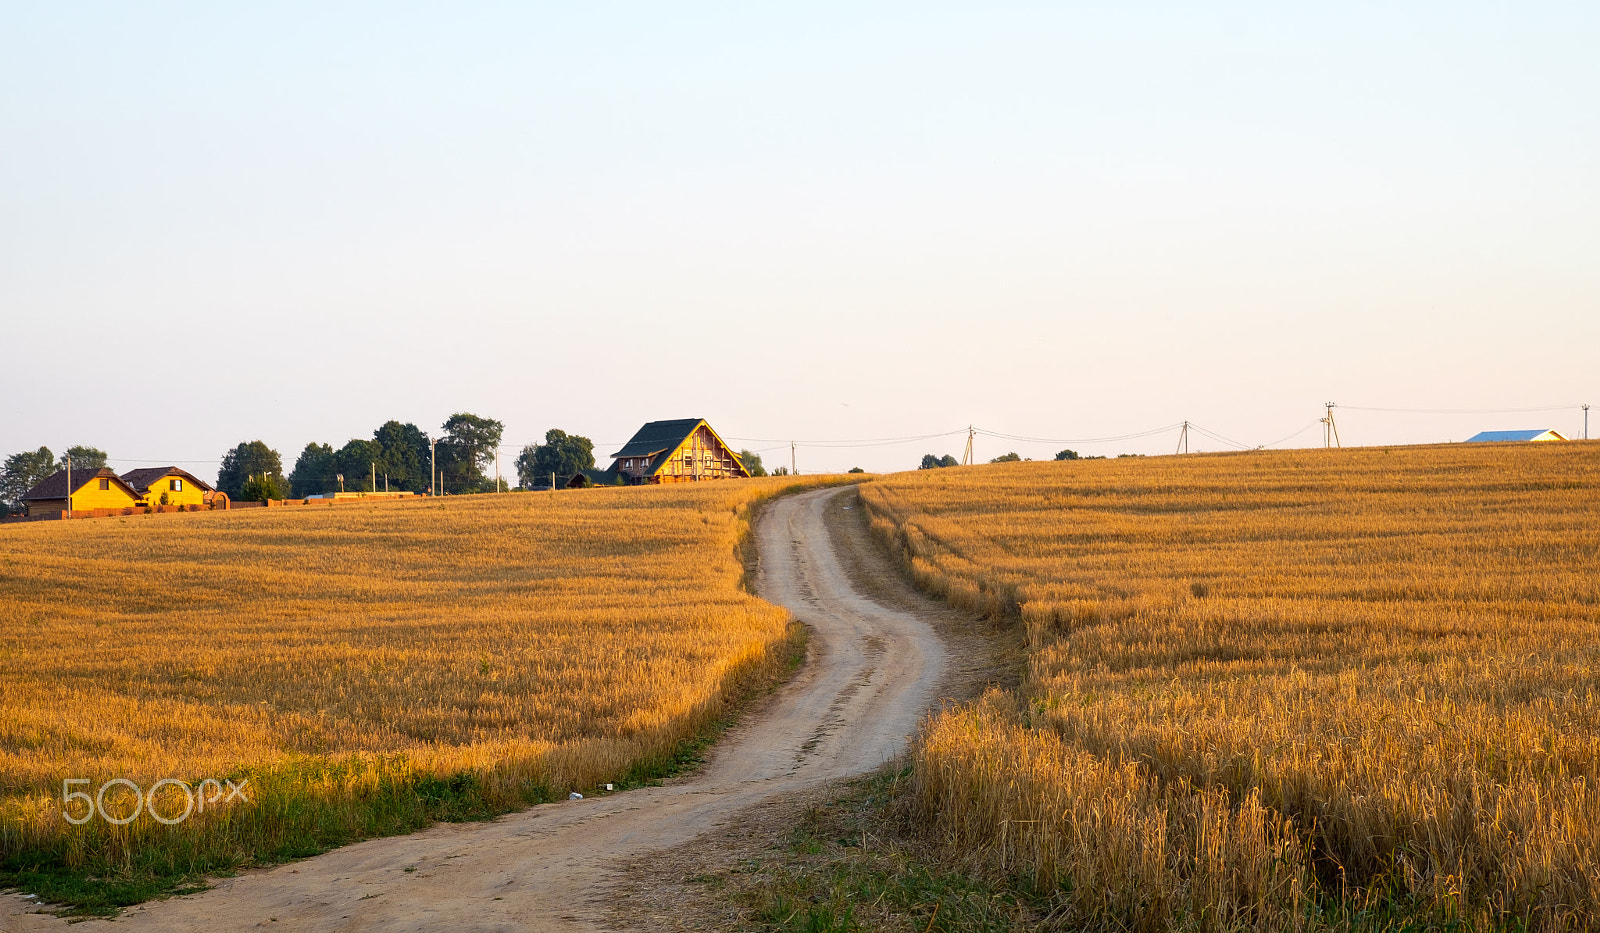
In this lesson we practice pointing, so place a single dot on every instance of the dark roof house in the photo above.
(91, 489)
(54, 486)
(142, 478)
(682, 451)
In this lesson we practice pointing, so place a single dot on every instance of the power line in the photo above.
(1219, 438)
(153, 460)
(1309, 425)
(1460, 411)
(858, 442)
(971, 432)
(1080, 440)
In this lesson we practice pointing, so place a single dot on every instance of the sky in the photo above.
(834, 224)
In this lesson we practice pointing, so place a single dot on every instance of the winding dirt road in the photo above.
(871, 673)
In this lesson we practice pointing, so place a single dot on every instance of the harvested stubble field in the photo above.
(1277, 690)
(366, 668)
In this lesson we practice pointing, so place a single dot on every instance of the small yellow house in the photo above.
(166, 486)
(91, 489)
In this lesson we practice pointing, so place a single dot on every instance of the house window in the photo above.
(105, 484)
(176, 485)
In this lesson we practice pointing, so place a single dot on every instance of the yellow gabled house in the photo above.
(682, 451)
(91, 489)
(166, 486)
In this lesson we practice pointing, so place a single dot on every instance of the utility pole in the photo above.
(552, 483)
(966, 458)
(341, 481)
(793, 469)
(69, 485)
(433, 470)
(497, 469)
(1585, 420)
(1330, 431)
(374, 476)
(1183, 439)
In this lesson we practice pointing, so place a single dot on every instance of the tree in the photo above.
(402, 456)
(1011, 457)
(253, 458)
(527, 473)
(857, 470)
(21, 473)
(313, 471)
(355, 462)
(781, 471)
(1067, 455)
(752, 463)
(258, 488)
(84, 458)
(561, 454)
(931, 462)
(468, 444)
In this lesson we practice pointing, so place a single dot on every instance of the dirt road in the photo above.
(871, 673)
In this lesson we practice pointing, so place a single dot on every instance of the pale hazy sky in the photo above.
(292, 222)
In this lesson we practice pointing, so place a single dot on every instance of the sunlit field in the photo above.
(365, 668)
(1278, 690)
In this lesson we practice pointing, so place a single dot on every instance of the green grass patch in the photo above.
(855, 863)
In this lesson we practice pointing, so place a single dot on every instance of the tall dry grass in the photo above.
(1279, 690)
(362, 665)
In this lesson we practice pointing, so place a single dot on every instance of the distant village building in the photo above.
(682, 451)
(179, 487)
(1532, 434)
(91, 489)
(103, 489)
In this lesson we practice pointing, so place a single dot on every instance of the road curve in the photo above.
(871, 673)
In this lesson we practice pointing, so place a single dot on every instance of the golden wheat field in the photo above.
(1278, 690)
(524, 640)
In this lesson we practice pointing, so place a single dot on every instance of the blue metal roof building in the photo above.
(1535, 434)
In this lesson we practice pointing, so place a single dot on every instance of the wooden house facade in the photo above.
(682, 451)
